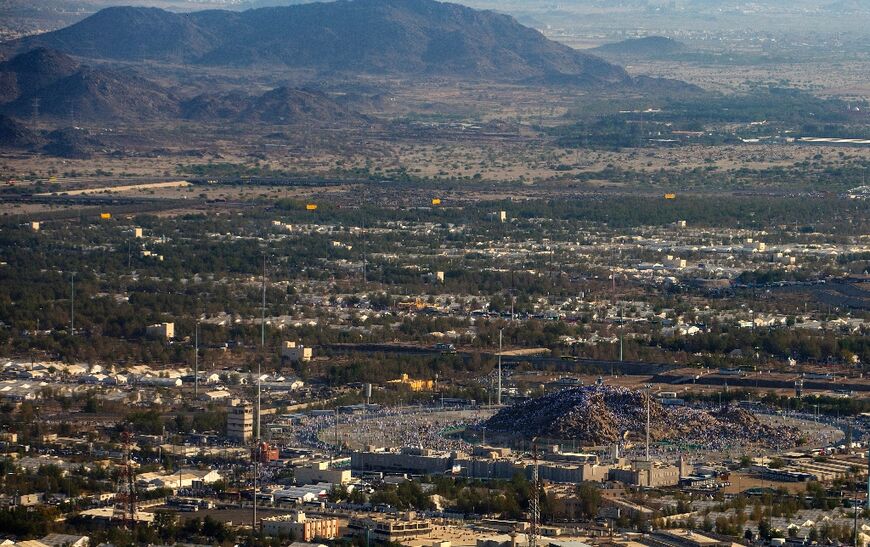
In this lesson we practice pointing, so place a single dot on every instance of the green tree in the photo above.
(589, 496)
(764, 531)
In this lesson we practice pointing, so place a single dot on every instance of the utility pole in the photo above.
(498, 393)
(648, 386)
(621, 332)
(855, 508)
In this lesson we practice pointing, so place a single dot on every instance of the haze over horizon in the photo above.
(673, 18)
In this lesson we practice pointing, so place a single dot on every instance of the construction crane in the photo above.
(534, 506)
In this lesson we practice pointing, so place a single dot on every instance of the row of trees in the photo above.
(505, 498)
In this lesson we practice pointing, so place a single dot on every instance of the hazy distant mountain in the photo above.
(214, 106)
(282, 105)
(286, 105)
(30, 71)
(15, 135)
(72, 142)
(377, 102)
(648, 47)
(417, 37)
(848, 6)
(55, 85)
(91, 94)
(68, 142)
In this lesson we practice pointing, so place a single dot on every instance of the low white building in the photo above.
(215, 395)
(302, 494)
(157, 381)
(65, 540)
(184, 478)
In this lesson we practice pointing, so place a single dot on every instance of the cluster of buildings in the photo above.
(804, 467)
(183, 478)
(51, 540)
(133, 384)
(501, 463)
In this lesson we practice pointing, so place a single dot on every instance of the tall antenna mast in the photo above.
(534, 509)
(196, 359)
(256, 452)
(72, 313)
(621, 332)
(498, 393)
(125, 499)
(364, 248)
(612, 278)
(263, 316)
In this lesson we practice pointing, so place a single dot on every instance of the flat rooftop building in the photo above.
(321, 471)
(300, 527)
(417, 461)
(647, 474)
(683, 538)
(390, 530)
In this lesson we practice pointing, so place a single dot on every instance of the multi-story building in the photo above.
(647, 474)
(240, 423)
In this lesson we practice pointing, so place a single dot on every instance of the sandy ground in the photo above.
(745, 481)
(124, 188)
(823, 78)
(527, 160)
